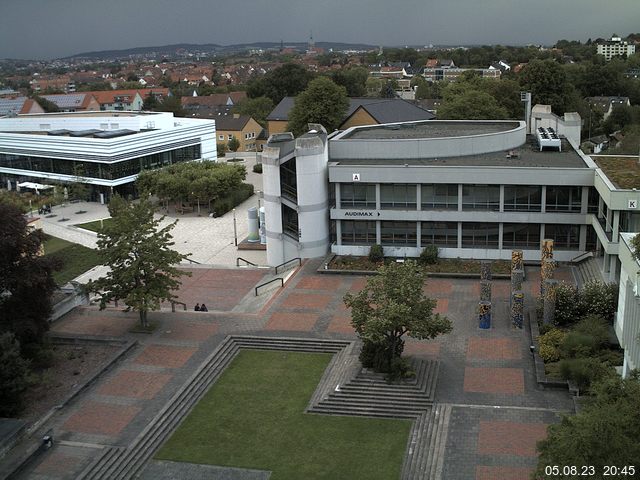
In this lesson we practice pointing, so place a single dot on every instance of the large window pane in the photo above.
(398, 233)
(563, 199)
(521, 235)
(439, 196)
(522, 198)
(355, 195)
(398, 197)
(442, 234)
(565, 237)
(480, 235)
(481, 197)
(356, 232)
(290, 222)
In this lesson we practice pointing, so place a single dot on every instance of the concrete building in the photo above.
(106, 150)
(615, 47)
(627, 322)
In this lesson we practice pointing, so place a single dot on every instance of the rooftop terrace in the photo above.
(527, 155)
(624, 172)
(429, 129)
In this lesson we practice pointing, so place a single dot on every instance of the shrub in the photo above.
(600, 299)
(429, 255)
(583, 371)
(257, 168)
(14, 375)
(595, 326)
(235, 198)
(222, 149)
(550, 344)
(376, 253)
(566, 304)
(612, 358)
(578, 344)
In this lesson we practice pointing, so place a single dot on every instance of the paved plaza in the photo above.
(486, 376)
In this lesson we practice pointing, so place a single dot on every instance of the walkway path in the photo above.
(486, 376)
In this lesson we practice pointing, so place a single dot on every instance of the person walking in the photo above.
(197, 308)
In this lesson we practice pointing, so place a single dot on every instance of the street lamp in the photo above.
(235, 229)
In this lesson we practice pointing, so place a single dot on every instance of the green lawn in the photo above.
(76, 259)
(253, 418)
(95, 225)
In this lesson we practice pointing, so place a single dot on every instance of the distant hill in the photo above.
(211, 48)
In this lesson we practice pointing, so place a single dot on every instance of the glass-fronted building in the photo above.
(106, 150)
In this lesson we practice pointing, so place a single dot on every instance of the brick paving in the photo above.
(101, 418)
(503, 473)
(479, 369)
(135, 384)
(299, 322)
(510, 438)
(494, 380)
(494, 348)
(165, 356)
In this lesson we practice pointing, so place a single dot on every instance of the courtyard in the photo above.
(486, 381)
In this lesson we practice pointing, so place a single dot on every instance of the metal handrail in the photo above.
(267, 283)
(581, 257)
(244, 260)
(173, 305)
(193, 261)
(289, 261)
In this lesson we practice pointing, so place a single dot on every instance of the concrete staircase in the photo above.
(369, 394)
(588, 271)
(124, 463)
(345, 389)
(427, 441)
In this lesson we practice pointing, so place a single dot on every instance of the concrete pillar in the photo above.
(338, 232)
(459, 234)
(613, 269)
(616, 225)
(582, 246)
(459, 197)
(584, 203)
(500, 234)
(543, 203)
(484, 315)
(517, 308)
(501, 205)
(378, 197)
(272, 205)
(419, 196)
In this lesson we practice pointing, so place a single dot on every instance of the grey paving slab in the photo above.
(164, 470)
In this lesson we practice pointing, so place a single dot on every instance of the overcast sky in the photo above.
(39, 29)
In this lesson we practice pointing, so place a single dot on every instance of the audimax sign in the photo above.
(361, 213)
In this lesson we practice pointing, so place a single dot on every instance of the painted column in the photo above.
(484, 315)
(517, 308)
(485, 291)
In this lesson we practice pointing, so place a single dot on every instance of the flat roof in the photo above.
(624, 172)
(96, 113)
(527, 155)
(429, 129)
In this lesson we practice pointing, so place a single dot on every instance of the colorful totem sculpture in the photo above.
(549, 302)
(484, 314)
(517, 308)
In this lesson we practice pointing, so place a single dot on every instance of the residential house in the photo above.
(62, 83)
(74, 102)
(19, 106)
(242, 127)
(127, 100)
(361, 111)
(607, 104)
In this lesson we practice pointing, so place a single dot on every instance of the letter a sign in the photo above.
(356, 177)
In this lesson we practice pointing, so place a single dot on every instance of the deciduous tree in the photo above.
(391, 305)
(322, 102)
(142, 265)
(26, 282)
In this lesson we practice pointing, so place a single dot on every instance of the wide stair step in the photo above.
(425, 453)
(123, 464)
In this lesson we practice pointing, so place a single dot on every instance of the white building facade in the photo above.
(106, 150)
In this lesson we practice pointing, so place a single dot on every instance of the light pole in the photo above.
(235, 229)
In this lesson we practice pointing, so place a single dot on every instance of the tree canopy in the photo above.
(26, 281)
(192, 181)
(547, 81)
(604, 432)
(391, 305)
(285, 81)
(322, 102)
(470, 104)
(258, 108)
(142, 265)
(354, 79)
